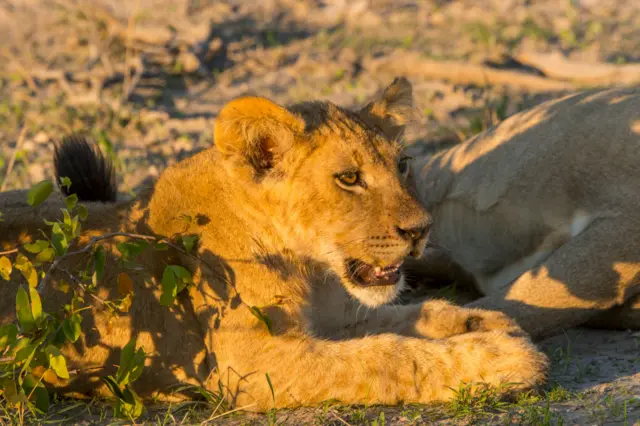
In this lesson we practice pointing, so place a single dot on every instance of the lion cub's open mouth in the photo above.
(368, 275)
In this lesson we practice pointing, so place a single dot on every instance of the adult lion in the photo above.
(543, 211)
(302, 212)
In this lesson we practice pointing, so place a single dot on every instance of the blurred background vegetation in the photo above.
(146, 77)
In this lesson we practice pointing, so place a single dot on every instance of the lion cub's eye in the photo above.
(348, 179)
(403, 165)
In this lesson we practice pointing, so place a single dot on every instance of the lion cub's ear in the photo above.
(392, 110)
(256, 132)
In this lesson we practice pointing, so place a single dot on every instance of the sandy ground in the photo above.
(146, 79)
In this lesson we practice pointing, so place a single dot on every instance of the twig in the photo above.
(227, 413)
(133, 83)
(8, 252)
(340, 418)
(55, 264)
(463, 73)
(85, 249)
(19, 143)
(82, 286)
(555, 65)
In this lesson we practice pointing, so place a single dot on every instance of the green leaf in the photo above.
(174, 279)
(36, 305)
(262, 317)
(75, 227)
(29, 382)
(99, 259)
(11, 393)
(113, 386)
(59, 239)
(72, 327)
(36, 392)
(5, 268)
(273, 394)
(65, 182)
(23, 311)
(130, 406)
(67, 219)
(130, 250)
(40, 397)
(137, 365)
(57, 362)
(26, 267)
(126, 356)
(129, 370)
(71, 201)
(46, 255)
(39, 193)
(129, 397)
(169, 287)
(25, 354)
(183, 277)
(83, 213)
(36, 247)
(20, 344)
(8, 336)
(189, 241)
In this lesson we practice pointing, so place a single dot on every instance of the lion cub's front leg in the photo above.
(433, 319)
(440, 319)
(380, 369)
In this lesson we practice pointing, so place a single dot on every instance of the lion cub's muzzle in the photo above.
(367, 275)
(416, 236)
(386, 252)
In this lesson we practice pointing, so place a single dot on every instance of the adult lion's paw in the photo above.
(440, 319)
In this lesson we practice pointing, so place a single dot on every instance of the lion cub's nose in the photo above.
(413, 233)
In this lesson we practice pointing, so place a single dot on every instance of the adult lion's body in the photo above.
(543, 211)
(304, 214)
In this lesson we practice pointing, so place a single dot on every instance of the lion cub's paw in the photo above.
(501, 359)
(440, 319)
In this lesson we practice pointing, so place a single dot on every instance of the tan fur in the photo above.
(275, 230)
(543, 211)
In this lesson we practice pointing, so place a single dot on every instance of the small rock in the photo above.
(189, 61)
(41, 138)
(28, 145)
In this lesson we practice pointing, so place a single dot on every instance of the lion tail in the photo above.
(92, 175)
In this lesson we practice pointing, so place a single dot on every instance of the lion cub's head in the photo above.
(333, 182)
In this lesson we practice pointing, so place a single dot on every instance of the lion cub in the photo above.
(304, 213)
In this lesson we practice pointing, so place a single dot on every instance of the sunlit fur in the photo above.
(275, 230)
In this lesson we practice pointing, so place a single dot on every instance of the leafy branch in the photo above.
(31, 349)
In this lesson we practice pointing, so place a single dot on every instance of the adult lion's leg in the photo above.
(592, 273)
(381, 369)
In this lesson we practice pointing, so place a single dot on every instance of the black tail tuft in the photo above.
(92, 176)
